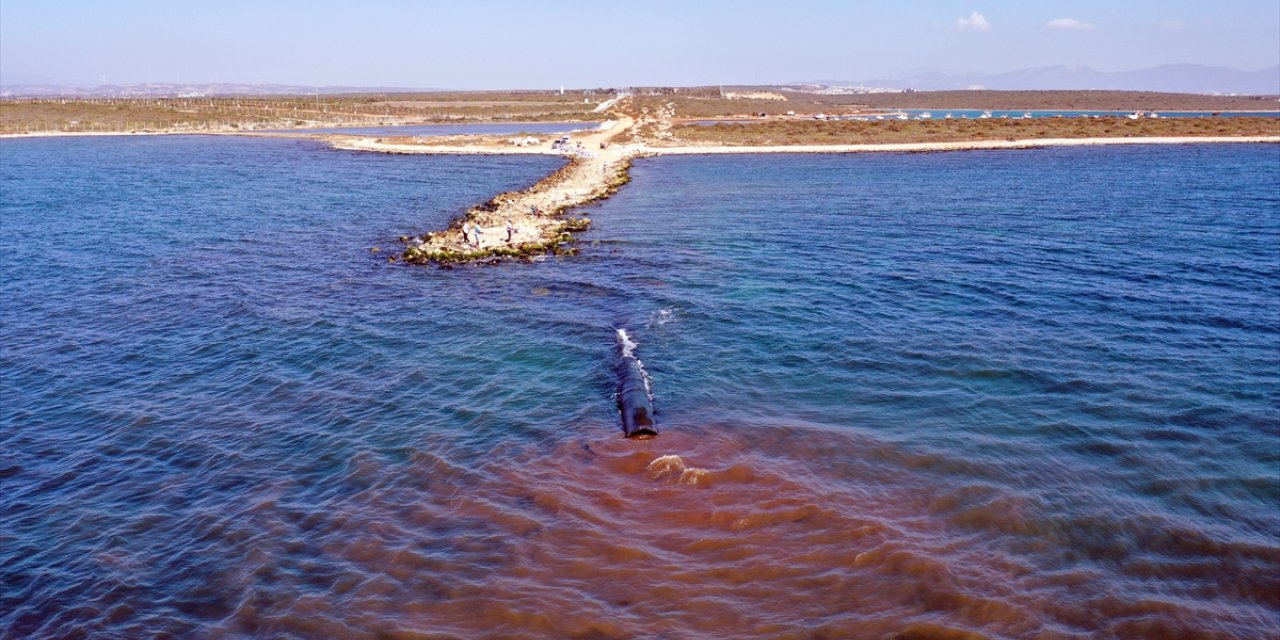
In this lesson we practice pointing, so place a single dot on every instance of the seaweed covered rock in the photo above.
(576, 224)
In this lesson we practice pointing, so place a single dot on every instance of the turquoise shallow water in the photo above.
(1020, 394)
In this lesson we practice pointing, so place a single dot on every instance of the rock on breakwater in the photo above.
(523, 224)
(519, 224)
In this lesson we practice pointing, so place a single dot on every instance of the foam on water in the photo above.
(660, 318)
(672, 466)
(628, 349)
(625, 344)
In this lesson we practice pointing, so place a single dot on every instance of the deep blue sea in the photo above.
(1011, 394)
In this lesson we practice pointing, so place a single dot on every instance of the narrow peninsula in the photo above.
(616, 126)
(535, 222)
(528, 223)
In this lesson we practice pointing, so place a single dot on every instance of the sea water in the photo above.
(1017, 394)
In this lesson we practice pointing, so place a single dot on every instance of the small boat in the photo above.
(985, 114)
(1026, 115)
(924, 116)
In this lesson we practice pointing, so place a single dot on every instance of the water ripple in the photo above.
(891, 402)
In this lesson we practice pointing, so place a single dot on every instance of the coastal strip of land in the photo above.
(532, 222)
(618, 127)
(62, 115)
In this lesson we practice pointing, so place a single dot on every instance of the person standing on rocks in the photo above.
(466, 232)
(511, 231)
(477, 232)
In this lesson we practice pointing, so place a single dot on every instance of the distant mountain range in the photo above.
(166, 89)
(1172, 78)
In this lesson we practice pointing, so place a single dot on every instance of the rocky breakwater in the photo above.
(529, 223)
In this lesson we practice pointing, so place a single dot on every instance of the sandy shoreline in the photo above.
(349, 143)
(315, 131)
(374, 145)
(100, 134)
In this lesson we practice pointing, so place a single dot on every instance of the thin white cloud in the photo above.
(975, 22)
(1070, 24)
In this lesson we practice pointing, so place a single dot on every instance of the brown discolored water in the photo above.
(755, 532)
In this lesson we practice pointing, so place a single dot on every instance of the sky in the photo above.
(489, 44)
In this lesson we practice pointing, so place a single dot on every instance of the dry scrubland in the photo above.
(807, 132)
(663, 118)
(300, 112)
(699, 104)
(285, 112)
(1048, 100)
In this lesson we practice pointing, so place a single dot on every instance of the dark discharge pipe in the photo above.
(634, 402)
